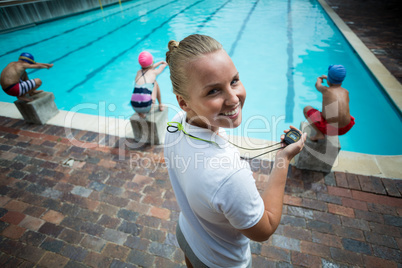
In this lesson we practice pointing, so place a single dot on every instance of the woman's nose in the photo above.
(231, 97)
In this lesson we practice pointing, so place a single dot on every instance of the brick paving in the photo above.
(101, 202)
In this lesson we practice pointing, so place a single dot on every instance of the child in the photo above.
(14, 78)
(146, 89)
(221, 208)
(335, 118)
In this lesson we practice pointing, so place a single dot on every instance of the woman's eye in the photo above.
(212, 91)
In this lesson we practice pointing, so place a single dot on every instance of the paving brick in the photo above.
(369, 216)
(129, 228)
(297, 233)
(114, 236)
(92, 229)
(387, 253)
(32, 238)
(13, 217)
(15, 205)
(94, 259)
(31, 223)
(81, 191)
(140, 258)
(382, 209)
(347, 202)
(385, 229)
(50, 229)
(53, 217)
(327, 239)
(34, 211)
(340, 179)
(339, 191)
(320, 226)
(381, 240)
(88, 215)
(74, 253)
(109, 222)
(305, 260)
(107, 209)
(356, 246)
(30, 253)
(115, 251)
(136, 242)
(348, 232)
(327, 217)
(371, 184)
(120, 264)
(74, 264)
(300, 212)
(72, 223)
(275, 253)
(346, 256)
(390, 186)
(70, 236)
(374, 262)
(348, 212)
(93, 243)
(392, 220)
(153, 234)
(374, 198)
(128, 215)
(13, 231)
(355, 223)
(51, 260)
(53, 245)
(294, 221)
(161, 213)
(285, 242)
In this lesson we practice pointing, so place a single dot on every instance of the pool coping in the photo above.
(363, 164)
(385, 166)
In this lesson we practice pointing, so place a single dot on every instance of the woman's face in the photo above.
(215, 95)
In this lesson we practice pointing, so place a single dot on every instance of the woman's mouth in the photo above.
(233, 113)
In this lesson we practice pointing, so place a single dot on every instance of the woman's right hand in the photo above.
(291, 150)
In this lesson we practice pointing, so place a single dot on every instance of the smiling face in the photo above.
(215, 95)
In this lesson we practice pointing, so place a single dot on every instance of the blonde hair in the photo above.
(181, 54)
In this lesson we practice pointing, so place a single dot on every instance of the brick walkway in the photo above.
(85, 205)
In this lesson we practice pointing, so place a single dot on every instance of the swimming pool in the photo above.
(278, 46)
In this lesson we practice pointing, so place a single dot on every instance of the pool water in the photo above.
(280, 47)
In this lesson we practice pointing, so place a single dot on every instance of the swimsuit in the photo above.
(325, 127)
(21, 88)
(141, 100)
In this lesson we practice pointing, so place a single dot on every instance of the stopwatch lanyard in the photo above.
(179, 127)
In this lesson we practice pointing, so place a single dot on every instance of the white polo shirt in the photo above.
(216, 193)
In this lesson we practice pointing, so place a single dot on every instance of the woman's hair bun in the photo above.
(172, 45)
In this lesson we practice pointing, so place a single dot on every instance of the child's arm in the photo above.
(38, 65)
(274, 192)
(318, 84)
(161, 68)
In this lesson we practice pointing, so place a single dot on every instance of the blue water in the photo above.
(280, 47)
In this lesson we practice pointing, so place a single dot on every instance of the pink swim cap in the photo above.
(145, 59)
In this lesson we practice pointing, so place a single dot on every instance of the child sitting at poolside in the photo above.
(335, 118)
(221, 208)
(146, 89)
(14, 78)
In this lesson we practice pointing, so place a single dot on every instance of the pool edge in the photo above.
(385, 166)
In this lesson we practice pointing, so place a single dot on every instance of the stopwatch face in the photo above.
(292, 136)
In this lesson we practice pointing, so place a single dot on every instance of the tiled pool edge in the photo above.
(390, 84)
(349, 162)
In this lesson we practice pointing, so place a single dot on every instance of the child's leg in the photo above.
(319, 135)
(156, 94)
(33, 91)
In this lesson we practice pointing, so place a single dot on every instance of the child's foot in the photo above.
(35, 92)
(161, 107)
(317, 137)
(24, 99)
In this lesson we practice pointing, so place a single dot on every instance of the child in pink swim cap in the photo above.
(146, 89)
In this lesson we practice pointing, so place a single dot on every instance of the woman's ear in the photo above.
(182, 103)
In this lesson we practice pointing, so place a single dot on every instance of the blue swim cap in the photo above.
(27, 57)
(336, 74)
